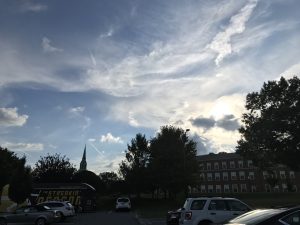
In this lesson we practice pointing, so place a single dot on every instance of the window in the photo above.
(292, 219)
(265, 174)
(250, 163)
(235, 188)
(224, 165)
(209, 177)
(232, 164)
(233, 175)
(217, 205)
(203, 190)
(282, 174)
(243, 188)
(226, 188)
(267, 188)
(292, 174)
(241, 164)
(208, 166)
(210, 188)
(225, 176)
(284, 188)
(217, 176)
(253, 188)
(216, 166)
(251, 176)
(202, 176)
(218, 188)
(201, 166)
(198, 204)
(242, 175)
(236, 206)
(276, 188)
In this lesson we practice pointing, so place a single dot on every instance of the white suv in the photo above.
(123, 204)
(65, 209)
(211, 210)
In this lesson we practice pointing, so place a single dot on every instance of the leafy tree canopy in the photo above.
(134, 168)
(53, 169)
(20, 185)
(271, 130)
(173, 159)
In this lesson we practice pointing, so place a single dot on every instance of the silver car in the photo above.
(38, 215)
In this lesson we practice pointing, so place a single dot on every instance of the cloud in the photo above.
(76, 111)
(9, 117)
(29, 6)
(107, 34)
(222, 41)
(203, 122)
(109, 138)
(24, 147)
(91, 139)
(47, 47)
(228, 122)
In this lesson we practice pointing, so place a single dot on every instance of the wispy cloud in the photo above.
(109, 138)
(222, 41)
(9, 117)
(24, 147)
(47, 47)
(76, 111)
(30, 6)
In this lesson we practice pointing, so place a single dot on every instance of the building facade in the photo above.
(231, 173)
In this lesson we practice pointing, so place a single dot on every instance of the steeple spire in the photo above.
(83, 163)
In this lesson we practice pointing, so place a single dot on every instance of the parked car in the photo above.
(65, 209)
(209, 210)
(123, 203)
(282, 216)
(38, 215)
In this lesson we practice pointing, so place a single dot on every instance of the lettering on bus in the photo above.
(53, 195)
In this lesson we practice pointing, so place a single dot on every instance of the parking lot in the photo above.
(103, 218)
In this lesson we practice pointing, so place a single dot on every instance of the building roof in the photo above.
(218, 156)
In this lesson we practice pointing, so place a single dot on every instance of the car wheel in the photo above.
(61, 215)
(40, 221)
(3, 221)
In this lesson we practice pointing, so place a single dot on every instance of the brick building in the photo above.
(229, 172)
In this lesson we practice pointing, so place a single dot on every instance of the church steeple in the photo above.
(83, 163)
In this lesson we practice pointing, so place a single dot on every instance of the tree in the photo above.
(85, 176)
(134, 168)
(53, 169)
(20, 185)
(110, 180)
(8, 162)
(271, 130)
(173, 159)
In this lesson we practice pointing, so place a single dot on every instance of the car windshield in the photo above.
(123, 200)
(254, 217)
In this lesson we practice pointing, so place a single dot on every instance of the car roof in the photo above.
(205, 198)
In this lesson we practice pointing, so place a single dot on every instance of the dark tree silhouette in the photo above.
(53, 169)
(20, 185)
(110, 180)
(8, 162)
(173, 160)
(134, 168)
(271, 130)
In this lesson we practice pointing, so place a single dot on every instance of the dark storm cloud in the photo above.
(228, 122)
(203, 122)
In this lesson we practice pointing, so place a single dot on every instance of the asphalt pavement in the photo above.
(103, 218)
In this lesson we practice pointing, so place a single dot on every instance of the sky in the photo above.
(96, 73)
